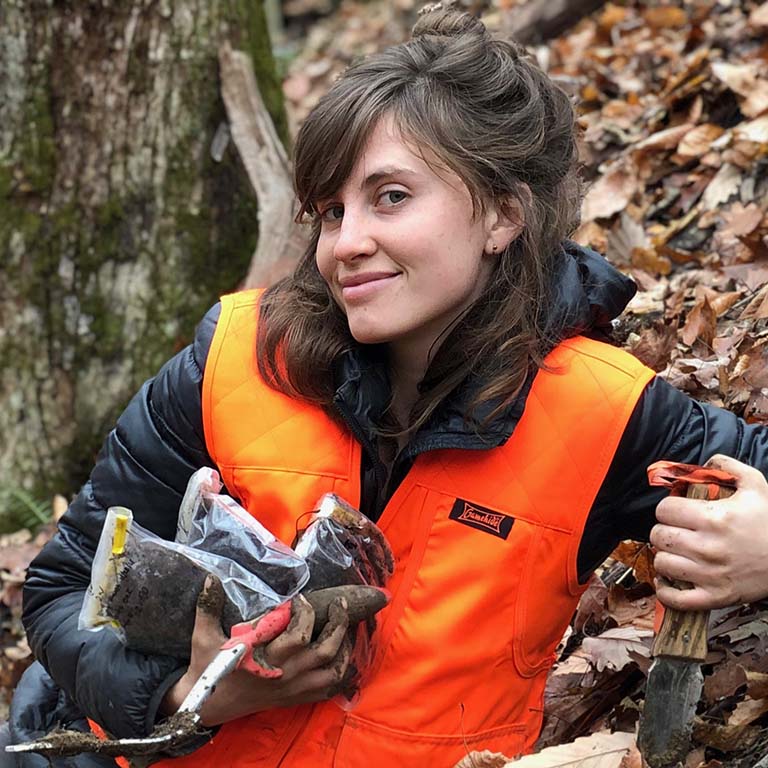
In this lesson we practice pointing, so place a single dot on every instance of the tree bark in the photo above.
(125, 210)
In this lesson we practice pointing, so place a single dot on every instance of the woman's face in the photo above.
(399, 246)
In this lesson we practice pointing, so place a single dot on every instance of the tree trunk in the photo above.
(124, 210)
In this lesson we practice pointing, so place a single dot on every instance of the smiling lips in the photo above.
(362, 286)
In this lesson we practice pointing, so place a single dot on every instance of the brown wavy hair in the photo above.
(487, 111)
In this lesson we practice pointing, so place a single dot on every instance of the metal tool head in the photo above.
(667, 721)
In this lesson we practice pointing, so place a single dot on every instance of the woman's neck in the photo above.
(407, 367)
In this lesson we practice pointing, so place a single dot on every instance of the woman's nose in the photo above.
(355, 238)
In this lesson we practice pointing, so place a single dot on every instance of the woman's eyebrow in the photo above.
(385, 172)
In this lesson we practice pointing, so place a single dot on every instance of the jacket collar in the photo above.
(588, 294)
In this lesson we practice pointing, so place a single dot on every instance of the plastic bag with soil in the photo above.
(342, 546)
(215, 523)
(145, 588)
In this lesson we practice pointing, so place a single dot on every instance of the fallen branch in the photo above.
(537, 21)
(281, 240)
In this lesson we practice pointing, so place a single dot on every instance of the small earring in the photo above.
(495, 248)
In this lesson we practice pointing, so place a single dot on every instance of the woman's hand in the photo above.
(720, 546)
(312, 671)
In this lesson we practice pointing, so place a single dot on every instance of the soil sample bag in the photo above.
(342, 546)
(215, 523)
(145, 588)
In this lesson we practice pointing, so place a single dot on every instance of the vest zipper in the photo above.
(362, 438)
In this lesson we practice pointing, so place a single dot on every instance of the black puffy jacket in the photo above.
(158, 442)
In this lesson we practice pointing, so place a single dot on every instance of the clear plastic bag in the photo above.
(342, 546)
(216, 524)
(145, 587)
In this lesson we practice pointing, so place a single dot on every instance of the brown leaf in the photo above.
(611, 16)
(759, 16)
(698, 141)
(611, 648)
(695, 758)
(639, 557)
(747, 711)
(740, 220)
(724, 184)
(755, 131)
(665, 17)
(651, 261)
(722, 302)
(756, 409)
(593, 605)
(625, 612)
(757, 309)
(484, 759)
(726, 738)
(745, 80)
(610, 193)
(669, 138)
(724, 681)
(592, 235)
(753, 276)
(633, 759)
(625, 240)
(757, 684)
(700, 324)
(655, 345)
(600, 750)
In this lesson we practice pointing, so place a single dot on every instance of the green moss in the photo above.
(257, 44)
(36, 148)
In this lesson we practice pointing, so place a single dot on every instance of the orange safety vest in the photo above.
(485, 545)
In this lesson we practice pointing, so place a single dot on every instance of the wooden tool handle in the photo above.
(683, 634)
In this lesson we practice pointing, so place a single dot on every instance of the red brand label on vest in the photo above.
(482, 518)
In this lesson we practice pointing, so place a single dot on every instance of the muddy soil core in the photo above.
(156, 597)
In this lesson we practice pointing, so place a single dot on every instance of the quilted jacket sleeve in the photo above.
(144, 464)
(666, 424)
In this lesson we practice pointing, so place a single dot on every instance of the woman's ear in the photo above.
(505, 221)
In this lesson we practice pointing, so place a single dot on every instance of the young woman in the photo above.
(439, 359)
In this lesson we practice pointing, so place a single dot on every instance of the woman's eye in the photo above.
(332, 213)
(394, 196)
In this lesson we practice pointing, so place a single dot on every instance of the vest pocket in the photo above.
(543, 614)
(363, 744)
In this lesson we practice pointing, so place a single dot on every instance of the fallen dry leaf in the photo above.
(742, 220)
(726, 738)
(592, 608)
(665, 16)
(600, 750)
(723, 186)
(757, 684)
(653, 347)
(725, 680)
(746, 81)
(610, 193)
(755, 131)
(759, 16)
(639, 556)
(698, 141)
(611, 648)
(701, 323)
(625, 611)
(757, 309)
(747, 711)
(484, 759)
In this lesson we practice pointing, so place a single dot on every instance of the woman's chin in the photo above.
(369, 335)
